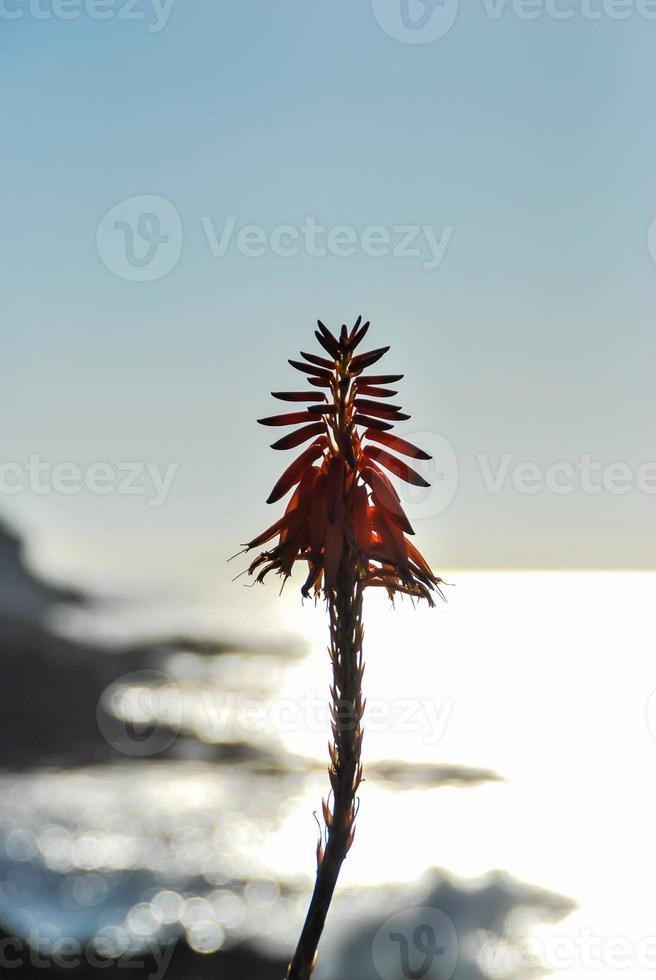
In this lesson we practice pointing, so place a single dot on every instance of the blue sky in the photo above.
(531, 140)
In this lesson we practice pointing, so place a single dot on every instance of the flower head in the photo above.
(344, 508)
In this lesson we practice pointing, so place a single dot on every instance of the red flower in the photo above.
(344, 508)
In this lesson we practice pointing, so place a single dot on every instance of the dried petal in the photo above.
(313, 575)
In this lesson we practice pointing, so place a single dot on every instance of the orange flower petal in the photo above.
(298, 396)
(327, 345)
(358, 333)
(367, 405)
(268, 534)
(396, 466)
(399, 445)
(291, 418)
(329, 338)
(385, 495)
(374, 392)
(318, 518)
(370, 423)
(334, 544)
(379, 410)
(294, 472)
(301, 435)
(335, 489)
(360, 518)
(318, 372)
(379, 379)
(392, 538)
(322, 409)
(366, 360)
(318, 361)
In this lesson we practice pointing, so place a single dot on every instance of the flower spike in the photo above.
(343, 495)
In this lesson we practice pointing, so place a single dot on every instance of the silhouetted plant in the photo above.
(346, 523)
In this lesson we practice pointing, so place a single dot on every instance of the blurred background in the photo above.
(188, 186)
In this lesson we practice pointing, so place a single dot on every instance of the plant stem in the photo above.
(345, 607)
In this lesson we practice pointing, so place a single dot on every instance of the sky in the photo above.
(485, 197)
